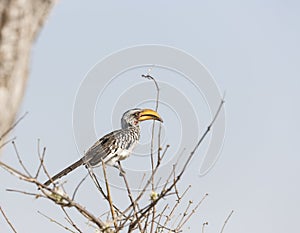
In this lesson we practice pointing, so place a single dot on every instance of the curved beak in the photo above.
(149, 114)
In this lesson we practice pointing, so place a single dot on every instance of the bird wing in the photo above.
(104, 148)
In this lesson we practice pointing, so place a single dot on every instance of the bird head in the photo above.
(133, 117)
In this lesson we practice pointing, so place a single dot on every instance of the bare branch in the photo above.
(165, 191)
(41, 158)
(148, 182)
(169, 216)
(157, 88)
(112, 210)
(97, 184)
(146, 222)
(77, 187)
(160, 216)
(148, 76)
(13, 126)
(8, 141)
(203, 226)
(20, 160)
(142, 214)
(193, 211)
(56, 222)
(7, 220)
(36, 195)
(185, 213)
(44, 167)
(133, 203)
(70, 220)
(55, 196)
(227, 219)
(141, 182)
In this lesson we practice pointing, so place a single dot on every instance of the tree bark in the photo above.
(20, 22)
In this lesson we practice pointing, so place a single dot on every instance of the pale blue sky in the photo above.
(252, 50)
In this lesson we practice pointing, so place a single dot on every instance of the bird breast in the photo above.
(124, 153)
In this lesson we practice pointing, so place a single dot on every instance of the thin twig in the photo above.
(157, 184)
(97, 184)
(77, 187)
(41, 158)
(161, 215)
(167, 228)
(193, 211)
(169, 178)
(70, 220)
(56, 197)
(133, 203)
(95, 180)
(140, 185)
(227, 219)
(13, 126)
(20, 160)
(146, 222)
(44, 167)
(148, 76)
(157, 88)
(203, 226)
(166, 191)
(203, 136)
(112, 210)
(175, 186)
(148, 182)
(154, 172)
(169, 216)
(7, 220)
(56, 222)
(36, 195)
(175, 221)
(8, 141)
(185, 213)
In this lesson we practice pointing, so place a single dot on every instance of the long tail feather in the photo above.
(64, 172)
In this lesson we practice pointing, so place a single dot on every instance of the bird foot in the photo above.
(122, 172)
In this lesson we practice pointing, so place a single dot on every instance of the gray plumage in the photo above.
(115, 146)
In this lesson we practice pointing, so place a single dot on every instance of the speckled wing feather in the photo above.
(101, 149)
(109, 146)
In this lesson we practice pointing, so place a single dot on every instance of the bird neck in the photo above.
(135, 132)
(133, 129)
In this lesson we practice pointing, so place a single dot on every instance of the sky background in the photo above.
(252, 50)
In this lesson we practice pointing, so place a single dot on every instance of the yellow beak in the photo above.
(149, 114)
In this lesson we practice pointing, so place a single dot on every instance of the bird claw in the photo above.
(122, 172)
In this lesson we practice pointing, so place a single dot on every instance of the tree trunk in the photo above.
(20, 22)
